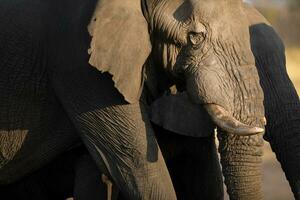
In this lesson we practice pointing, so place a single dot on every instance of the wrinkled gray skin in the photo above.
(49, 86)
(211, 49)
(281, 101)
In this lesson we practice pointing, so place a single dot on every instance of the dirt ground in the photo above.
(275, 185)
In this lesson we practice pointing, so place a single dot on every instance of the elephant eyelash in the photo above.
(196, 39)
(186, 24)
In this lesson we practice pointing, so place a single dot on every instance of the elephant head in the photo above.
(206, 46)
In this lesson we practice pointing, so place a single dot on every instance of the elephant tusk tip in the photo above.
(248, 131)
(109, 185)
(258, 130)
(265, 121)
(228, 123)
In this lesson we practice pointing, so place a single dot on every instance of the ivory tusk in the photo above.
(225, 121)
(109, 184)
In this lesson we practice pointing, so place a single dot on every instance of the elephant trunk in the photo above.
(241, 158)
(231, 95)
(233, 98)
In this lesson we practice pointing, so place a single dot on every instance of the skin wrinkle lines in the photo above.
(236, 74)
(9, 147)
(171, 29)
(203, 42)
(229, 60)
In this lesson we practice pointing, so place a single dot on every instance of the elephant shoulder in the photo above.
(23, 20)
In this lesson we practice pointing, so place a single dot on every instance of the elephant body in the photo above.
(45, 45)
(34, 127)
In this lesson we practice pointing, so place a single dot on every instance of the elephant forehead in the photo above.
(220, 17)
(209, 10)
(218, 7)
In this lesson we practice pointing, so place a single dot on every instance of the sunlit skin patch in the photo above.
(196, 44)
(11, 142)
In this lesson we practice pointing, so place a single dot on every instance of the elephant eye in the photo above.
(196, 38)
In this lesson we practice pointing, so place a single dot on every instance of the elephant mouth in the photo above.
(224, 120)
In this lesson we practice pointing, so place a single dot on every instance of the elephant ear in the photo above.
(176, 112)
(120, 44)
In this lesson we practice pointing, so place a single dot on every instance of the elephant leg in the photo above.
(116, 132)
(130, 151)
(193, 164)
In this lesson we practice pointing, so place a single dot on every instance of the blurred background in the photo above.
(284, 15)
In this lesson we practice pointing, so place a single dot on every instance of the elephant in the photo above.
(81, 66)
(281, 102)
